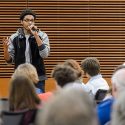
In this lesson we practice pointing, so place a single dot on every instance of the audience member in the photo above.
(75, 65)
(104, 109)
(118, 81)
(28, 70)
(91, 68)
(22, 94)
(118, 115)
(64, 75)
(70, 107)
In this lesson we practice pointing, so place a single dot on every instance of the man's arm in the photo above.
(42, 41)
(7, 56)
(44, 48)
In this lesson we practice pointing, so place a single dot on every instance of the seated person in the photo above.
(118, 113)
(75, 65)
(91, 68)
(104, 106)
(22, 96)
(64, 75)
(69, 107)
(28, 70)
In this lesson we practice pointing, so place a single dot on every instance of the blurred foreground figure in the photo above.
(70, 106)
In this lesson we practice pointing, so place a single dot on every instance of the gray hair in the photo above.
(118, 78)
(118, 115)
(69, 107)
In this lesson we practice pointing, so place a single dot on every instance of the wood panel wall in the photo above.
(76, 29)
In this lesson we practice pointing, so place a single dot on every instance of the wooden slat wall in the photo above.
(76, 28)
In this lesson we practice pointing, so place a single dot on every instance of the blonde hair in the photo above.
(28, 70)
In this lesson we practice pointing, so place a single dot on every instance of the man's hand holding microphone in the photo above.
(33, 29)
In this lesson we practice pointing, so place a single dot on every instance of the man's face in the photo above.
(27, 21)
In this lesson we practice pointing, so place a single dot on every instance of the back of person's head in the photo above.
(64, 74)
(75, 65)
(27, 12)
(118, 114)
(22, 93)
(91, 66)
(119, 67)
(28, 70)
(118, 80)
(69, 107)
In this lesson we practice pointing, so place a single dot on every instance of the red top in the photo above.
(45, 96)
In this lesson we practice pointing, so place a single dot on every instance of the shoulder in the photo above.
(105, 104)
(13, 36)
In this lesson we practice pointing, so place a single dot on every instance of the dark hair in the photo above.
(64, 74)
(91, 66)
(27, 12)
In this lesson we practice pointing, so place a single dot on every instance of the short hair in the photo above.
(64, 74)
(22, 94)
(119, 67)
(28, 70)
(27, 12)
(75, 65)
(118, 78)
(118, 114)
(69, 107)
(91, 66)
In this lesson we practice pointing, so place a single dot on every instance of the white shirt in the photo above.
(27, 51)
(97, 82)
(77, 84)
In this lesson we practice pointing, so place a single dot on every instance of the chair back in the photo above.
(4, 104)
(26, 117)
(30, 117)
(100, 95)
(12, 118)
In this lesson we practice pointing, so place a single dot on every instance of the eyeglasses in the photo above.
(28, 20)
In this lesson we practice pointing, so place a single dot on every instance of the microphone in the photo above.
(35, 30)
